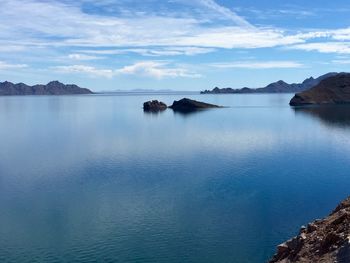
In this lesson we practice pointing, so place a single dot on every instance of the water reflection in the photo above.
(153, 113)
(338, 115)
(183, 113)
(187, 113)
(105, 182)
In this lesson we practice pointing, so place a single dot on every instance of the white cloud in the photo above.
(12, 48)
(82, 57)
(88, 70)
(226, 12)
(156, 69)
(259, 65)
(341, 61)
(268, 13)
(176, 51)
(91, 36)
(147, 34)
(40, 28)
(341, 34)
(234, 37)
(157, 51)
(325, 47)
(5, 66)
(152, 69)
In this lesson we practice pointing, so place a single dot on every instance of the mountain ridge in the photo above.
(279, 86)
(52, 88)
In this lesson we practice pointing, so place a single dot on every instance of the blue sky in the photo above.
(172, 44)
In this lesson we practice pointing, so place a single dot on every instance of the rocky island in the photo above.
(332, 90)
(52, 88)
(326, 240)
(275, 87)
(183, 105)
(187, 105)
(154, 106)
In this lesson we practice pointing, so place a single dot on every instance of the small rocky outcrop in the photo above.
(332, 90)
(154, 106)
(188, 105)
(326, 240)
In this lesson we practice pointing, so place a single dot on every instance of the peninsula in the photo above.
(332, 90)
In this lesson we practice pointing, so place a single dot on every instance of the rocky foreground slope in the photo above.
(326, 240)
(332, 90)
(52, 88)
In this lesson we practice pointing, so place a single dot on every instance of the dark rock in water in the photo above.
(154, 105)
(188, 105)
(332, 90)
(52, 88)
(326, 240)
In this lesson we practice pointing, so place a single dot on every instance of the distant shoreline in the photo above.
(148, 92)
(275, 87)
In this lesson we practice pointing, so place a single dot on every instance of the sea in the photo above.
(94, 178)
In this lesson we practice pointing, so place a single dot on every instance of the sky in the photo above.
(182, 45)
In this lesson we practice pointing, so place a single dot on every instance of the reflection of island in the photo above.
(337, 115)
(153, 113)
(188, 113)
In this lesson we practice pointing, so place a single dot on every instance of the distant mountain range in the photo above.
(52, 88)
(136, 91)
(276, 87)
(150, 91)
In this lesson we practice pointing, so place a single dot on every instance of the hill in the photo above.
(332, 90)
(52, 88)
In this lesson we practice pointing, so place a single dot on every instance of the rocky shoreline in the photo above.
(325, 240)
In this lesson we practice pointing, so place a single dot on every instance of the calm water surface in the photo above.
(95, 179)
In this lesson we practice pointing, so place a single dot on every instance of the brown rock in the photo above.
(325, 240)
(154, 105)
